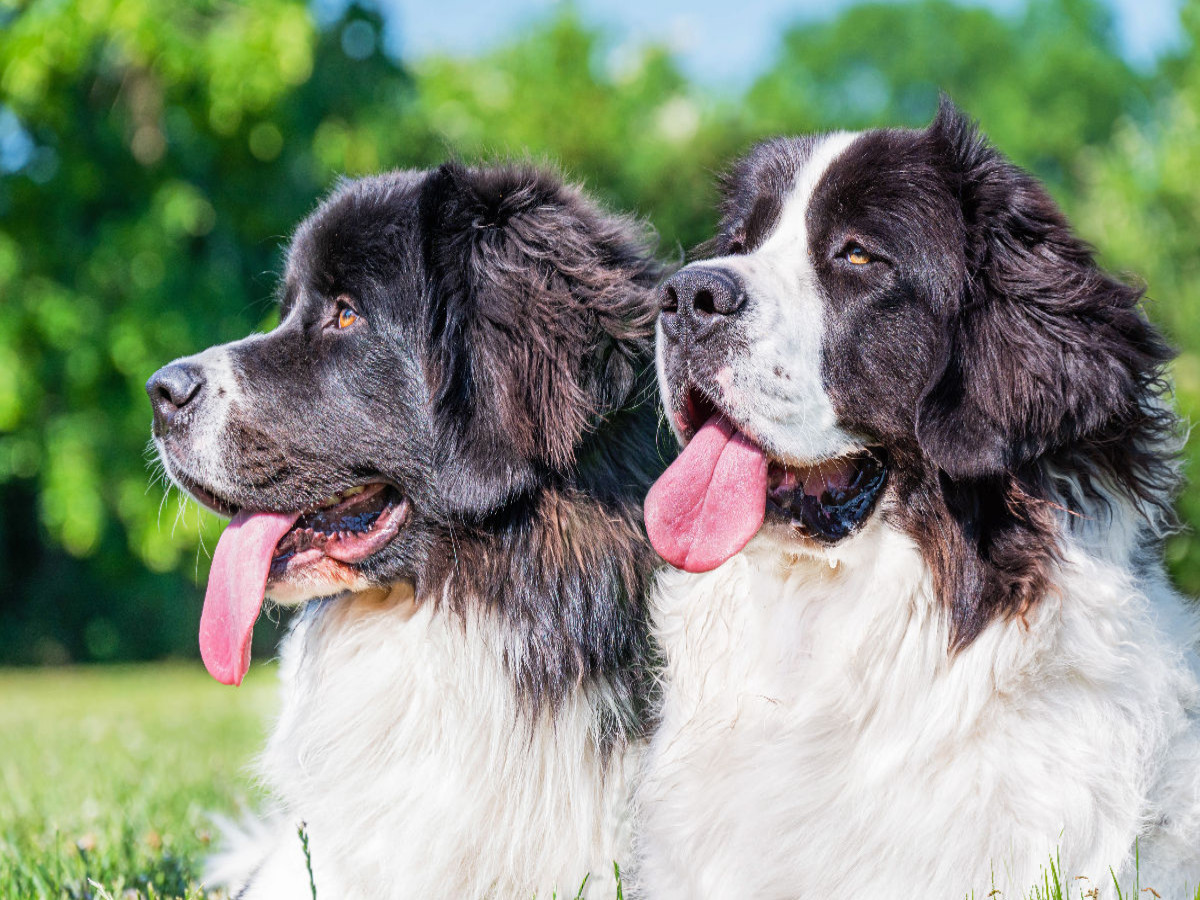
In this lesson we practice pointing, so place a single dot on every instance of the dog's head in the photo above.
(451, 345)
(900, 322)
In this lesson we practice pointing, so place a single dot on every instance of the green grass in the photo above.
(108, 776)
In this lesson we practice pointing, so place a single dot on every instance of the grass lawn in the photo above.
(109, 775)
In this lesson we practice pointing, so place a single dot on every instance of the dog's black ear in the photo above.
(1044, 350)
(541, 320)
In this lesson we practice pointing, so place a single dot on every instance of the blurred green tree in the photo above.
(1043, 82)
(1140, 203)
(155, 154)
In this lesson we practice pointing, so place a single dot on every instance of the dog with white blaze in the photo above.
(440, 454)
(919, 643)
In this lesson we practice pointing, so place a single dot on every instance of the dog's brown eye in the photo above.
(346, 316)
(856, 255)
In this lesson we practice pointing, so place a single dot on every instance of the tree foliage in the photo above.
(154, 155)
(1140, 204)
(1043, 83)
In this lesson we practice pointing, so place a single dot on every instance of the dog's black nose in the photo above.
(172, 388)
(699, 298)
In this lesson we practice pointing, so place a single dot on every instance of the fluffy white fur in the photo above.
(818, 740)
(395, 713)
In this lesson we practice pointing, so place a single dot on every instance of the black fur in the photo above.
(500, 376)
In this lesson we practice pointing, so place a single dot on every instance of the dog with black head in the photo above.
(440, 454)
(920, 643)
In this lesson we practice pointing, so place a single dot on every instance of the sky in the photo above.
(718, 42)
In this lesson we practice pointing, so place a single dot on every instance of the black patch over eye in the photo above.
(761, 220)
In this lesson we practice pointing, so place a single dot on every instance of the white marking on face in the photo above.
(664, 383)
(776, 390)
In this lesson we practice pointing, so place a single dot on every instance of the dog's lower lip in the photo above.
(207, 498)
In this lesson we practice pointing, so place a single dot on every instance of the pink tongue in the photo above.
(236, 585)
(711, 501)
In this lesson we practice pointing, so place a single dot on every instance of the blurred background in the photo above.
(155, 155)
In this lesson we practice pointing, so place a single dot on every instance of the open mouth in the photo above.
(347, 527)
(825, 501)
(261, 548)
(829, 500)
(722, 487)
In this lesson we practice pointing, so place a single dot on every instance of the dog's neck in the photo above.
(566, 571)
(398, 717)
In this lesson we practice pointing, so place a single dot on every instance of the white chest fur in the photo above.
(402, 747)
(817, 739)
